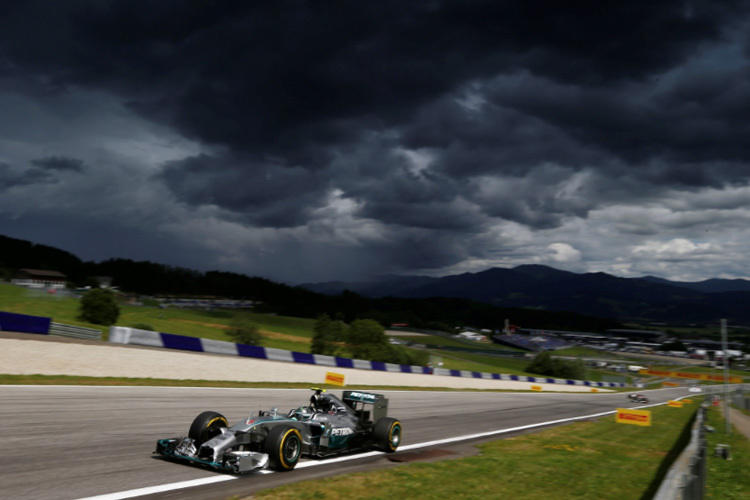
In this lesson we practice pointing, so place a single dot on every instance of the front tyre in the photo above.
(284, 447)
(206, 426)
(387, 434)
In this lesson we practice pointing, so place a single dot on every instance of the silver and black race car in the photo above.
(637, 398)
(327, 426)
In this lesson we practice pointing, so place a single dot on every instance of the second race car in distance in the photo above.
(637, 398)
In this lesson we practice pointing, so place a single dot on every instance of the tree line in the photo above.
(150, 279)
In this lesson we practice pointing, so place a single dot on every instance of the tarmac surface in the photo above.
(74, 442)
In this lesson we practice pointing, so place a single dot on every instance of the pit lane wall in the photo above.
(125, 335)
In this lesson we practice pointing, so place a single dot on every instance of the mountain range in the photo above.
(648, 299)
(531, 288)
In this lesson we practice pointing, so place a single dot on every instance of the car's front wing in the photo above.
(237, 462)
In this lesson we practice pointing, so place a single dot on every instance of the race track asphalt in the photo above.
(65, 442)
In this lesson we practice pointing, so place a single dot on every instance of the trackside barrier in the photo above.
(686, 479)
(126, 335)
(78, 332)
(719, 388)
(23, 323)
(740, 401)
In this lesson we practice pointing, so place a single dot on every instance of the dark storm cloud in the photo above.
(45, 171)
(320, 80)
(267, 76)
(434, 120)
(10, 177)
(626, 122)
(258, 192)
(59, 163)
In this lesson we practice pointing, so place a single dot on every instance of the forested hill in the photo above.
(148, 278)
(635, 300)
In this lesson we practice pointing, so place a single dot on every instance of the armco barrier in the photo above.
(23, 323)
(686, 478)
(125, 335)
(76, 332)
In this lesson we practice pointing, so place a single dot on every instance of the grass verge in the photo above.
(583, 460)
(727, 479)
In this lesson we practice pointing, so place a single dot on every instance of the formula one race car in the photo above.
(328, 426)
(637, 398)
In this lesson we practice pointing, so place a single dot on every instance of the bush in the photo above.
(328, 336)
(417, 357)
(367, 340)
(545, 364)
(99, 306)
(244, 333)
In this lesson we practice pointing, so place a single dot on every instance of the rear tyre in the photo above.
(206, 426)
(387, 434)
(284, 447)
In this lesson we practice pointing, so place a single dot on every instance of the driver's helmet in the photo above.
(302, 413)
(324, 404)
(316, 402)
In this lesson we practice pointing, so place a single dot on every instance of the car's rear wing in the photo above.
(378, 401)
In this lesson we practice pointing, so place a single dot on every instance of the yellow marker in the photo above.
(675, 404)
(687, 401)
(594, 390)
(334, 379)
(536, 387)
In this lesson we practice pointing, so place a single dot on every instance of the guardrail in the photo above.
(25, 323)
(686, 479)
(719, 388)
(740, 401)
(78, 332)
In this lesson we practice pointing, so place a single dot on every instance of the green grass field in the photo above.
(582, 352)
(280, 332)
(727, 479)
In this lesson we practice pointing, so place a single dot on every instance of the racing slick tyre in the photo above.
(387, 434)
(284, 447)
(206, 426)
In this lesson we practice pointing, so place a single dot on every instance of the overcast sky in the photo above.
(315, 141)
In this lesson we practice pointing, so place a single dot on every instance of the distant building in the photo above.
(643, 335)
(38, 278)
(476, 337)
(104, 281)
